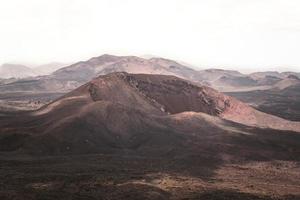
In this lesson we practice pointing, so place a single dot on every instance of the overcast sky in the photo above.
(246, 35)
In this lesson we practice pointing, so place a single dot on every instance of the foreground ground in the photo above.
(134, 177)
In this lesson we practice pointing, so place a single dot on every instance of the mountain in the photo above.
(289, 81)
(134, 111)
(48, 68)
(108, 63)
(169, 94)
(68, 78)
(260, 75)
(230, 80)
(286, 74)
(274, 79)
(10, 71)
(16, 71)
(215, 74)
(233, 81)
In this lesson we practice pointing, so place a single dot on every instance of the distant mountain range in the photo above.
(48, 68)
(68, 78)
(16, 71)
(21, 71)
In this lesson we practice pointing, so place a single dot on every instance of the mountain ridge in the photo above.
(68, 78)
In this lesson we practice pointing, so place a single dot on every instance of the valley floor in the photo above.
(22, 101)
(135, 177)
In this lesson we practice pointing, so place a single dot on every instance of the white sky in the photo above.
(246, 35)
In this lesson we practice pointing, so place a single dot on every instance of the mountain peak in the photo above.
(103, 58)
